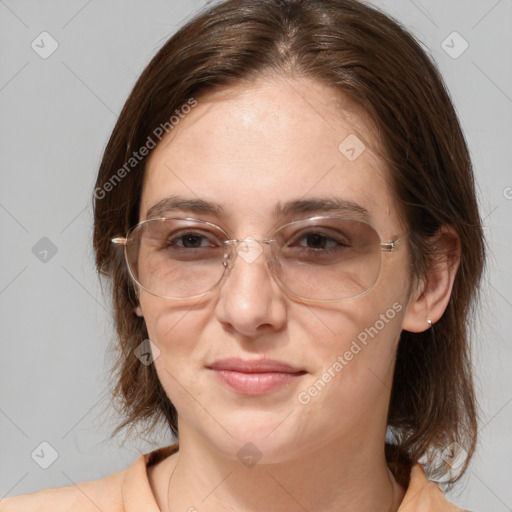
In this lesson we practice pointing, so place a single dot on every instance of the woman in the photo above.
(286, 213)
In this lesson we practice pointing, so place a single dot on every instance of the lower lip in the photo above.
(256, 383)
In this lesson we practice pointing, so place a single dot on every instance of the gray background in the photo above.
(57, 114)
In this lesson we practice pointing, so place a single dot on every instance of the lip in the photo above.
(255, 377)
(262, 365)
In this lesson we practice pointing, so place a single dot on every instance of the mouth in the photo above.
(255, 377)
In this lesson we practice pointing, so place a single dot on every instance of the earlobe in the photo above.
(138, 310)
(432, 295)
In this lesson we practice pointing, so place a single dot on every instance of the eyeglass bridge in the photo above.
(249, 249)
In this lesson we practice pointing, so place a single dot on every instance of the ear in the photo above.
(432, 294)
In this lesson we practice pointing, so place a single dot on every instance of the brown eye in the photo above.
(318, 241)
(190, 241)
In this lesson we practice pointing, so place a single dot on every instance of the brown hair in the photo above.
(374, 61)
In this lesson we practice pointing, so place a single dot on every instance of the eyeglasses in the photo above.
(320, 259)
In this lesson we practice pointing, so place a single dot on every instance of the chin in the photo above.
(264, 436)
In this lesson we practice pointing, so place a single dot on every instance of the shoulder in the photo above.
(110, 494)
(424, 495)
(102, 494)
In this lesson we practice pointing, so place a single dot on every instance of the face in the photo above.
(250, 152)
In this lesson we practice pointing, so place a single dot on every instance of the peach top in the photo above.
(129, 491)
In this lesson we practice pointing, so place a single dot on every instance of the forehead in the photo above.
(253, 148)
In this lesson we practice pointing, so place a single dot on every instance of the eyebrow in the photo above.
(331, 204)
(183, 203)
(312, 205)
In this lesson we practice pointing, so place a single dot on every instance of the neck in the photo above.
(340, 476)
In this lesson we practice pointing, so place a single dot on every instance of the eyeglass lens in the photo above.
(325, 258)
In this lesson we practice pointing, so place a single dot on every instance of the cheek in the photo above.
(334, 330)
(176, 330)
(175, 327)
(352, 352)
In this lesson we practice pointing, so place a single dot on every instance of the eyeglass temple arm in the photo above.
(391, 246)
(119, 240)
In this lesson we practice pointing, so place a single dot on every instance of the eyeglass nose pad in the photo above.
(273, 264)
(227, 262)
(249, 250)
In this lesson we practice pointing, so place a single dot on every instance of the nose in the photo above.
(250, 301)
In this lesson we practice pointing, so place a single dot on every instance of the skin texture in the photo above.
(250, 149)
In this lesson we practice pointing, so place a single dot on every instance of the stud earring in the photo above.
(429, 322)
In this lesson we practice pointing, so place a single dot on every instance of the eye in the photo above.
(190, 241)
(190, 245)
(318, 245)
(318, 241)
